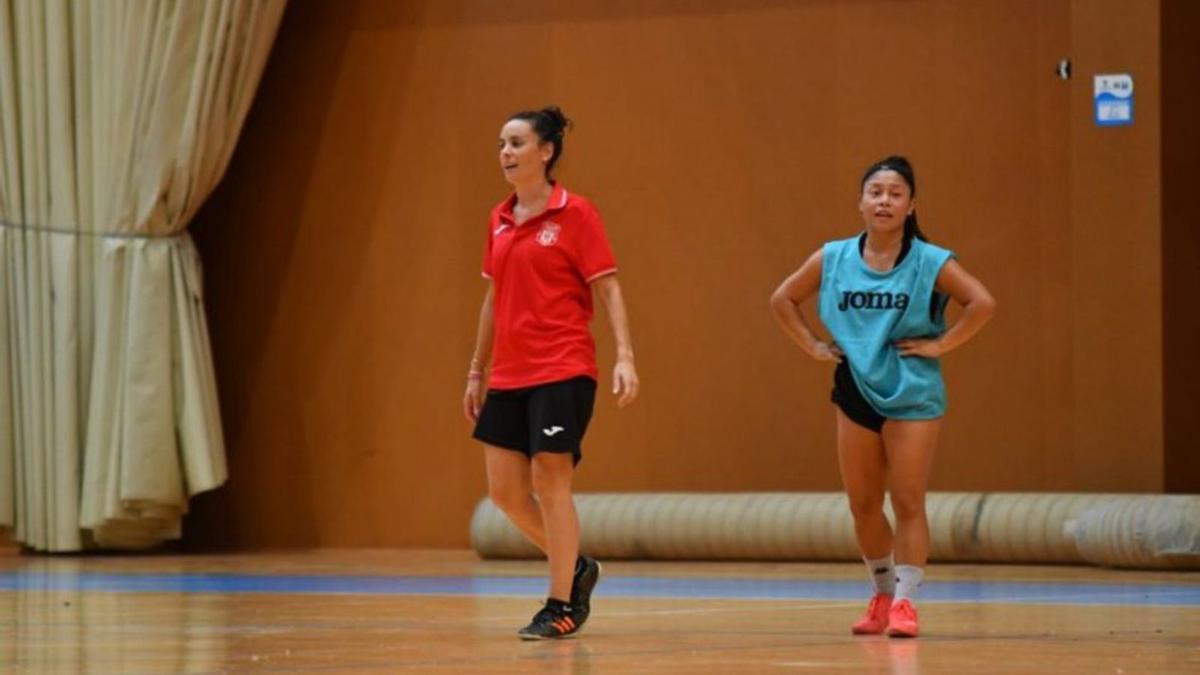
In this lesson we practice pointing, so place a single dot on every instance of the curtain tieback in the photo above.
(80, 233)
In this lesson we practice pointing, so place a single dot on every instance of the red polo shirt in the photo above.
(541, 271)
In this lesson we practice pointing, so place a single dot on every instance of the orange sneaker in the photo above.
(902, 620)
(875, 621)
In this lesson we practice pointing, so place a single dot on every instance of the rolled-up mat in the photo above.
(1116, 530)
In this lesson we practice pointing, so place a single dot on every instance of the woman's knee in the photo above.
(508, 495)
(552, 478)
(866, 506)
(908, 504)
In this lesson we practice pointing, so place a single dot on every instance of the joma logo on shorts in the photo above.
(871, 300)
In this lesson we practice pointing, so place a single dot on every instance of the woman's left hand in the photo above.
(625, 382)
(929, 348)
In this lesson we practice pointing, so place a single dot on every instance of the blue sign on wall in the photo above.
(1114, 100)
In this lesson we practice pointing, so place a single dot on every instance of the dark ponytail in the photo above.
(901, 166)
(550, 124)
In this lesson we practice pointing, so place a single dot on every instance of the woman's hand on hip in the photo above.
(826, 351)
(927, 347)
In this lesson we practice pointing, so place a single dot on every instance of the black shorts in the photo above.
(549, 417)
(847, 397)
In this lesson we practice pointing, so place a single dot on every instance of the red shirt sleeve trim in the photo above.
(603, 273)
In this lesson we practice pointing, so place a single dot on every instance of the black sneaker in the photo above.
(586, 576)
(555, 620)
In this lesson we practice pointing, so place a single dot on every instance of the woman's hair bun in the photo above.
(558, 122)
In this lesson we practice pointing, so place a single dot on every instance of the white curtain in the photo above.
(117, 119)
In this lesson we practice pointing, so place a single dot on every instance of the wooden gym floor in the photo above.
(448, 612)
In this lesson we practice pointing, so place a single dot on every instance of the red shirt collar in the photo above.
(556, 202)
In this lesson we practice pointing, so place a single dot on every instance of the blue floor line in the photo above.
(611, 586)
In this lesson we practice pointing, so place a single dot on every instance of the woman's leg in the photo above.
(864, 473)
(909, 445)
(510, 486)
(552, 475)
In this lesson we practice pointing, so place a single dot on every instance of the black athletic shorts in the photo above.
(548, 417)
(847, 397)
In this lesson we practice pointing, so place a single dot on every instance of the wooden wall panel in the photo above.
(1181, 244)
(1116, 254)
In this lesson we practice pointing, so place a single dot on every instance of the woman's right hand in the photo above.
(473, 400)
(826, 351)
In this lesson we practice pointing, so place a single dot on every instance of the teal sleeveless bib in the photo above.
(866, 311)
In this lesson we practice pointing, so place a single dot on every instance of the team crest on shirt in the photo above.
(548, 235)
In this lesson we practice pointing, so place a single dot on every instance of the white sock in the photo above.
(908, 580)
(883, 574)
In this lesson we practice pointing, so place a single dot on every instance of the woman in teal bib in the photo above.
(882, 297)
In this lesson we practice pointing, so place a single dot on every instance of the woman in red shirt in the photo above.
(546, 254)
